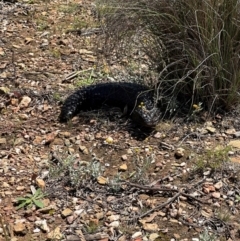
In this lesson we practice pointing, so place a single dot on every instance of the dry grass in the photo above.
(194, 46)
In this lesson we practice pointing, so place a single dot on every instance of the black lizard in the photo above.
(138, 99)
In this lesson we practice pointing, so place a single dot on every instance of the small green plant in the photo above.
(237, 198)
(42, 24)
(31, 199)
(196, 109)
(78, 172)
(56, 96)
(77, 25)
(84, 171)
(56, 53)
(86, 81)
(193, 45)
(69, 8)
(206, 236)
(224, 215)
(114, 183)
(213, 158)
(92, 227)
(141, 172)
(4, 229)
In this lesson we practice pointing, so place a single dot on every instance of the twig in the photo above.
(7, 238)
(74, 74)
(150, 188)
(191, 134)
(163, 189)
(190, 224)
(160, 206)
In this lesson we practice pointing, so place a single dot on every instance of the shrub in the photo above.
(194, 46)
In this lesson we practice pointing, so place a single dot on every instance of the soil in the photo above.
(103, 177)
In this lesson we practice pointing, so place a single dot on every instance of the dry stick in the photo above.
(13, 63)
(4, 229)
(160, 206)
(74, 74)
(81, 236)
(149, 188)
(189, 224)
(185, 137)
(192, 71)
(163, 190)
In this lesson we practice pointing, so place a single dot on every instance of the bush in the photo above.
(194, 46)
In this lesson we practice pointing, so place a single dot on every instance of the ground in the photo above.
(103, 177)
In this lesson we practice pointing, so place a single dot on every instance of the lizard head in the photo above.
(146, 114)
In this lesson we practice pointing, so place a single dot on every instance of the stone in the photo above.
(3, 141)
(19, 228)
(55, 234)
(216, 195)
(102, 180)
(136, 235)
(66, 212)
(25, 102)
(235, 159)
(123, 167)
(176, 236)
(4, 90)
(113, 218)
(158, 135)
(236, 134)
(58, 141)
(114, 224)
(124, 157)
(84, 150)
(211, 129)
(18, 141)
(48, 209)
(218, 185)
(100, 215)
(150, 227)
(66, 134)
(230, 131)
(235, 143)
(153, 236)
(20, 188)
(40, 183)
(109, 140)
(42, 224)
(5, 184)
(179, 152)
